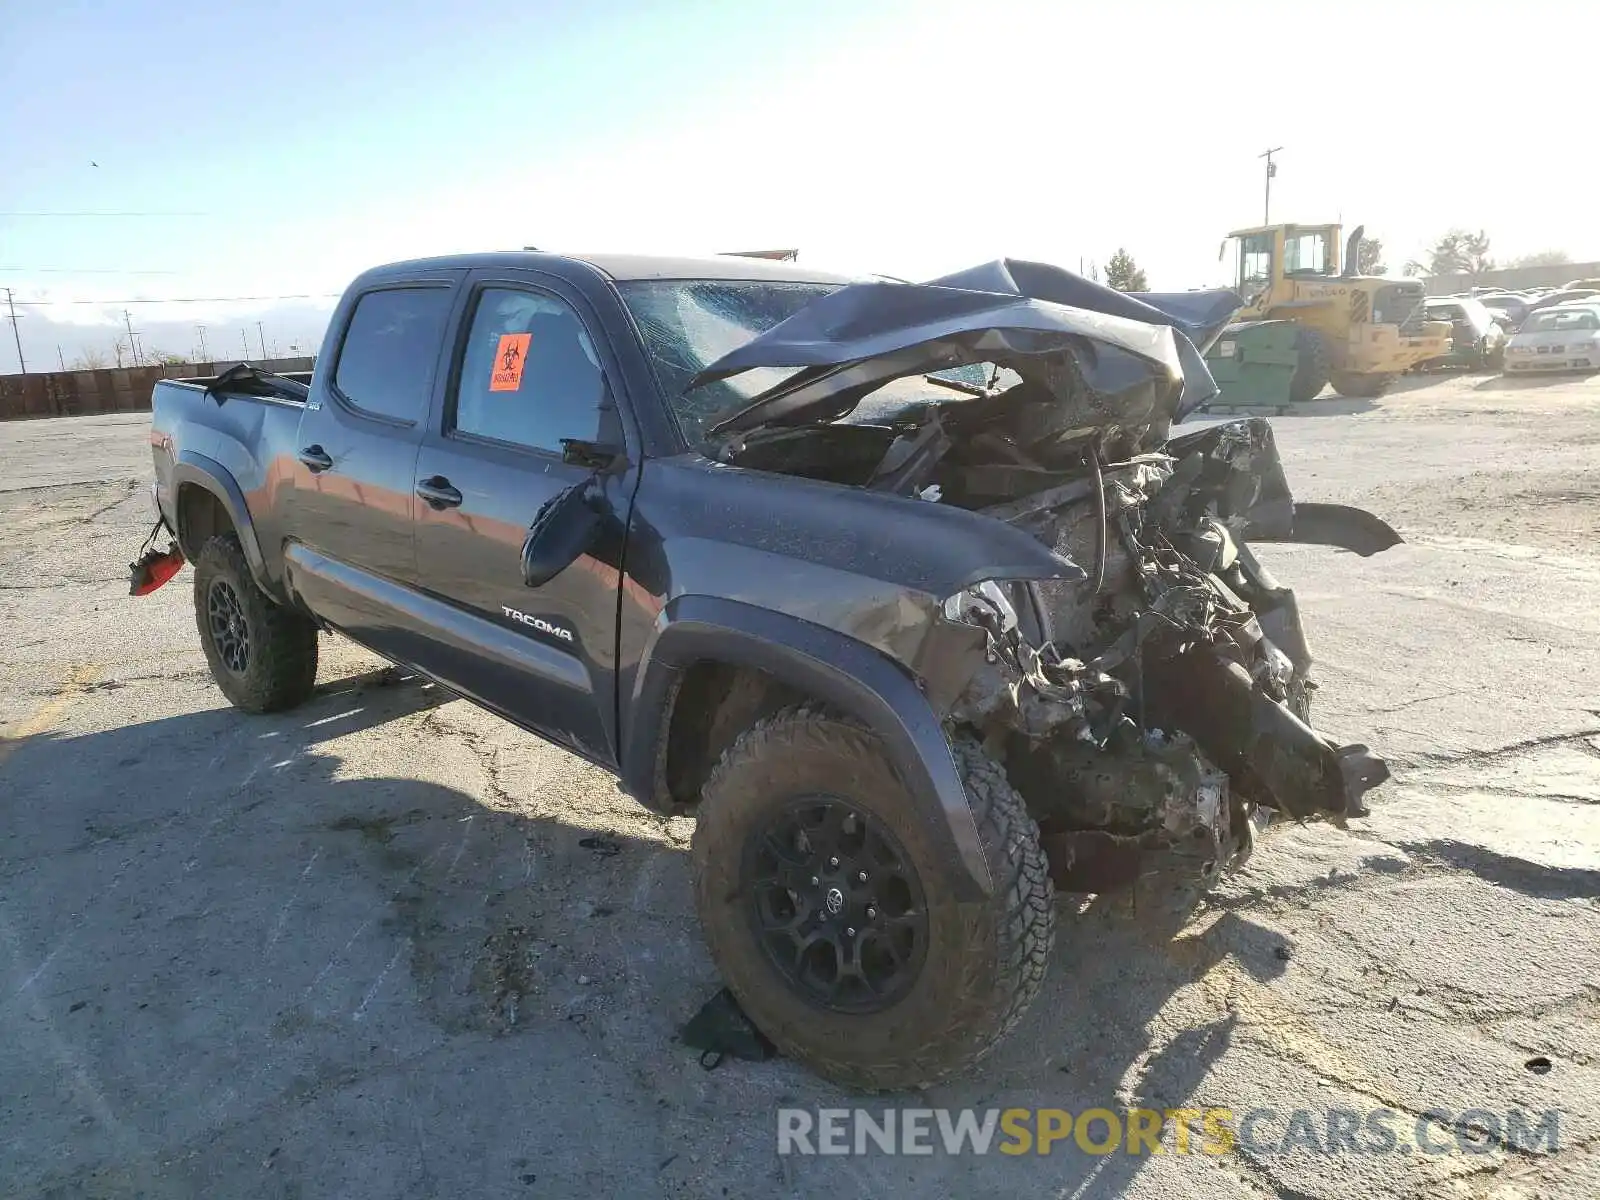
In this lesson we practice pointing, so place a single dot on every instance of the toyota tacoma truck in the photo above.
(907, 594)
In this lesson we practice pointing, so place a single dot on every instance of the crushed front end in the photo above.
(1151, 701)
(1156, 717)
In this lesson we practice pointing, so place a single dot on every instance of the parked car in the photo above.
(1561, 296)
(1507, 308)
(907, 649)
(1477, 341)
(1564, 337)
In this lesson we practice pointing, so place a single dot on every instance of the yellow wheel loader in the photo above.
(1356, 332)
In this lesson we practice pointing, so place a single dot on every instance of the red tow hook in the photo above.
(154, 567)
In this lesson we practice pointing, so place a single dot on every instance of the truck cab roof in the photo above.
(1253, 229)
(619, 267)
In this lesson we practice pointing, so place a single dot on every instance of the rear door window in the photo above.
(530, 375)
(386, 363)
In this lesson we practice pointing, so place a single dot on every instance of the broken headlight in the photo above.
(983, 604)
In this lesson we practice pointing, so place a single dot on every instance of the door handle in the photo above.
(436, 490)
(316, 458)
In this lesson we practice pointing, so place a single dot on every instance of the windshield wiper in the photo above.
(970, 389)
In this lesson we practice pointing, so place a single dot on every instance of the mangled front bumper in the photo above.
(1165, 747)
(1229, 480)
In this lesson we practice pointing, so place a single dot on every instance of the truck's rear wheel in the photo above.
(829, 906)
(262, 655)
(1311, 366)
(1347, 384)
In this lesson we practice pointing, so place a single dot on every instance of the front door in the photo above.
(348, 520)
(1256, 273)
(528, 374)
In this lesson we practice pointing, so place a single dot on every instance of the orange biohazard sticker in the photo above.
(509, 358)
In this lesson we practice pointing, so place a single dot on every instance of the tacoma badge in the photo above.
(538, 623)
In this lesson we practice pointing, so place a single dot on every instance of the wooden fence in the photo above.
(109, 389)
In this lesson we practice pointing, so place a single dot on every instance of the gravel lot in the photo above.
(358, 950)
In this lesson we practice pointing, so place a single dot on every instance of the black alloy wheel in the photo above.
(836, 904)
(230, 629)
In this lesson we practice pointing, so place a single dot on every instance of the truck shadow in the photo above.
(231, 889)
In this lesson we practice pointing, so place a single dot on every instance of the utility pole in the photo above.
(263, 339)
(16, 331)
(62, 357)
(133, 346)
(1272, 169)
(244, 340)
(201, 330)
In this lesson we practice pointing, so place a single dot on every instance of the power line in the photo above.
(16, 331)
(185, 299)
(133, 345)
(1272, 169)
(104, 214)
(82, 271)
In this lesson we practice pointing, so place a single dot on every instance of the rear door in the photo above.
(348, 520)
(529, 370)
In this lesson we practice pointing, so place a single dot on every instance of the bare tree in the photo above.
(89, 360)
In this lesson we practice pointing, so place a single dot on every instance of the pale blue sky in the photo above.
(907, 138)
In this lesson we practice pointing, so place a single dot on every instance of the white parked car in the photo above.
(1564, 337)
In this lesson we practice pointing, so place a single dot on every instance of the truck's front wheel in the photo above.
(1311, 366)
(830, 908)
(262, 655)
(1365, 386)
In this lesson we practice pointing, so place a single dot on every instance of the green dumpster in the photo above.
(1253, 363)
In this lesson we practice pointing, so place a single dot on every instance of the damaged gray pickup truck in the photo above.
(904, 592)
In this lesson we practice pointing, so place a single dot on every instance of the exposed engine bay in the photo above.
(1151, 704)
(1163, 705)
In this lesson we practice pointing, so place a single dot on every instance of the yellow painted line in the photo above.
(50, 711)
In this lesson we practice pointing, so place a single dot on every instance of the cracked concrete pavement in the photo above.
(360, 950)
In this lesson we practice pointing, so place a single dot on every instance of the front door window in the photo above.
(1255, 265)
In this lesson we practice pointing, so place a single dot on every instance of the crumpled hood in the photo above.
(1009, 312)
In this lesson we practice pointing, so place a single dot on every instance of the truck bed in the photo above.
(249, 429)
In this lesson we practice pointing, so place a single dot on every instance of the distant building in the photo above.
(1513, 278)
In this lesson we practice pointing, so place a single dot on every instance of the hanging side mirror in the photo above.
(565, 527)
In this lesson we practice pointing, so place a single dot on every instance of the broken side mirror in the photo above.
(597, 456)
(565, 527)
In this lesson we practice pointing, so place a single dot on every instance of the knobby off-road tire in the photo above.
(984, 961)
(1311, 366)
(262, 655)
